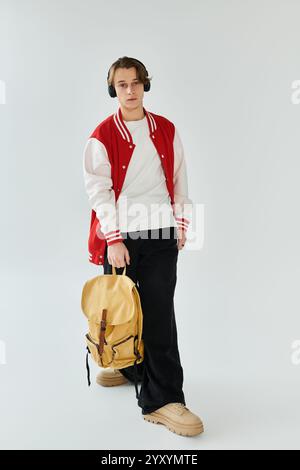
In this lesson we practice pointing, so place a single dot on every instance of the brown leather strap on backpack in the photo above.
(102, 331)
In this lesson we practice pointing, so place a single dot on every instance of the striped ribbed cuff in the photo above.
(182, 223)
(113, 237)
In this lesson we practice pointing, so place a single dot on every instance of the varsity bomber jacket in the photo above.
(113, 141)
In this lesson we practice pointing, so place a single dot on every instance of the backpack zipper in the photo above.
(123, 341)
(113, 345)
(92, 341)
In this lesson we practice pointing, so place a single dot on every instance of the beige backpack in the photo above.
(111, 303)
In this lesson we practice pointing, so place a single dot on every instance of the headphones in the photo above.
(111, 88)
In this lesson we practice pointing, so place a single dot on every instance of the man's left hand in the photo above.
(181, 238)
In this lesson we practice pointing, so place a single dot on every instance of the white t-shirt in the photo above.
(144, 190)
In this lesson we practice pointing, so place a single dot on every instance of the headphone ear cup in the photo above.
(112, 91)
(147, 86)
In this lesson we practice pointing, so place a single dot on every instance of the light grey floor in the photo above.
(46, 403)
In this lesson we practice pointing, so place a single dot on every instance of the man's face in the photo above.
(127, 87)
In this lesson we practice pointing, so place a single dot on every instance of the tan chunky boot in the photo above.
(177, 418)
(110, 378)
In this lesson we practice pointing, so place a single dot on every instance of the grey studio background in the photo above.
(226, 73)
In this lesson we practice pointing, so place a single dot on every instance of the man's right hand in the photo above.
(118, 255)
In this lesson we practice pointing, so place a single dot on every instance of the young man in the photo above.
(135, 177)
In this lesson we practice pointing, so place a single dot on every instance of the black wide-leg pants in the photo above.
(153, 268)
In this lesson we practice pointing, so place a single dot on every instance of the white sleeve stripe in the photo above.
(116, 234)
(115, 238)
